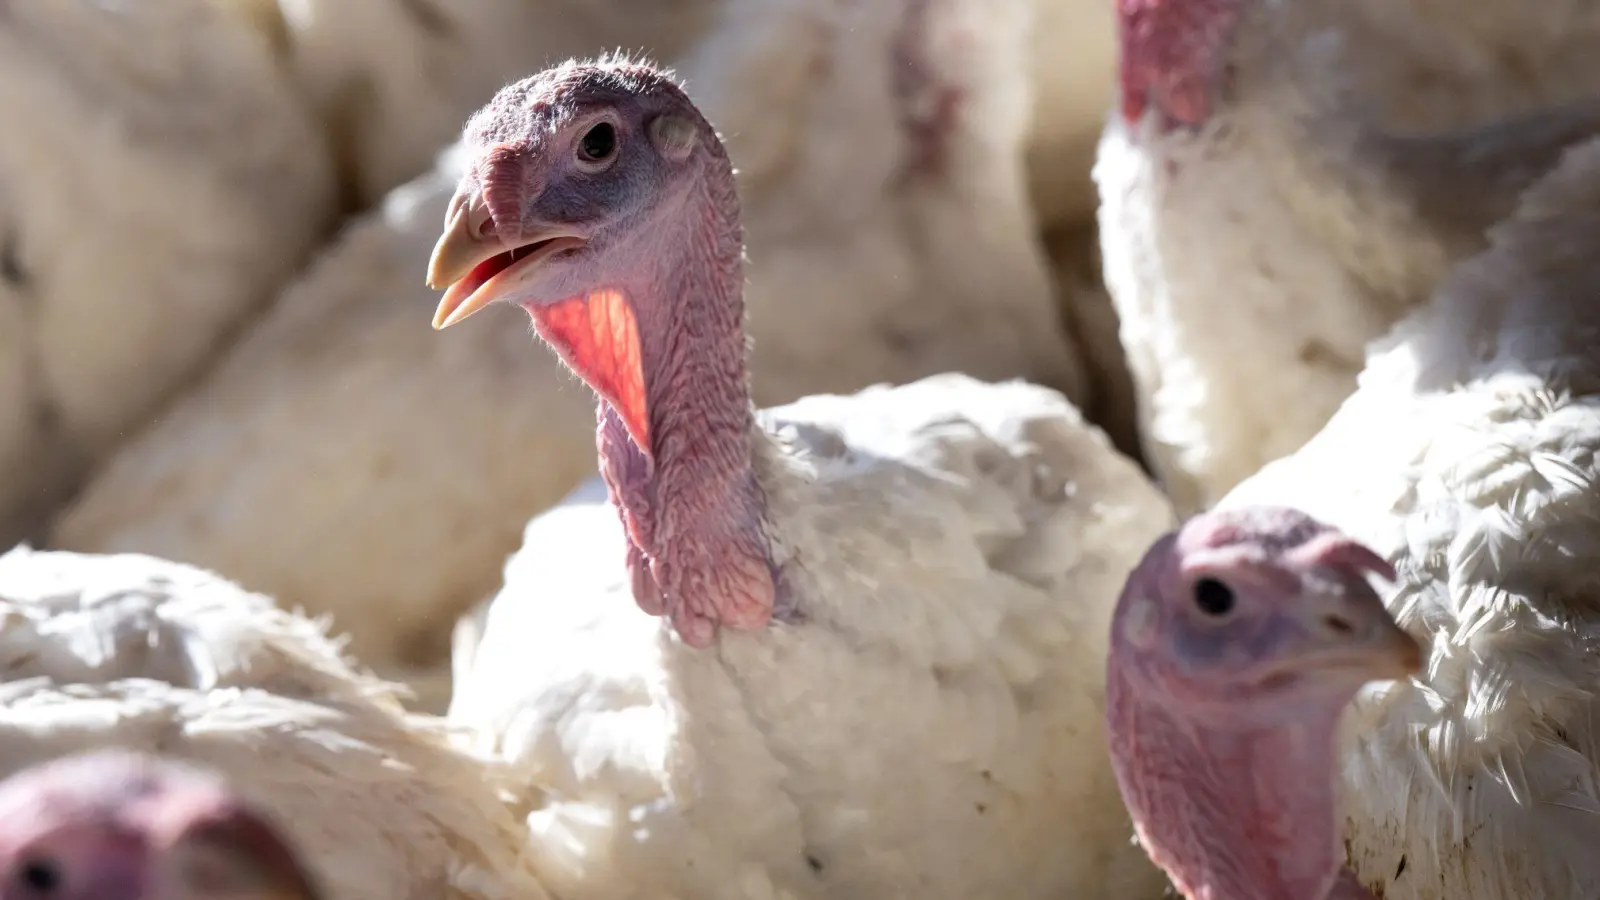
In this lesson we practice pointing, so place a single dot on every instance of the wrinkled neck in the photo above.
(689, 305)
(1231, 814)
(689, 498)
(1173, 53)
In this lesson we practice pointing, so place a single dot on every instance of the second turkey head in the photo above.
(114, 825)
(1235, 647)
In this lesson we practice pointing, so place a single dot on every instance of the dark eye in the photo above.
(42, 876)
(598, 143)
(1213, 597)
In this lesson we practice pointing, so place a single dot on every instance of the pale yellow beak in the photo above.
(1395, 654)
(463, 248)
(458, 252)
(1388, 652)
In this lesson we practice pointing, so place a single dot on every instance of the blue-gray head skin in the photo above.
(115, 825)
(601, 201)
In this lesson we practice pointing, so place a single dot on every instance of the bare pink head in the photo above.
(601, 201)
(1174, 55)
(114, 825)
(1236, 645)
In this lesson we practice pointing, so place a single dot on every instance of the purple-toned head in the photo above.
(601, 201)
(569, 167)
(1236, 645)
(114, 825)
(1173, 56)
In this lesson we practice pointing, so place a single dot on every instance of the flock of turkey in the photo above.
(880, 349)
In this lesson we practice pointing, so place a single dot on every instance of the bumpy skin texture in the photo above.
(115, 825)
(1168, 48)
(1235, 647)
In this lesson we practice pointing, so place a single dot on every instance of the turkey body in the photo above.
(1467, 456)
(157, 181)
(136, 652)
(926, 722)
(1346, 157)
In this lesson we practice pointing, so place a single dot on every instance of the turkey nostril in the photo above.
(1338, 625)
(41, 875)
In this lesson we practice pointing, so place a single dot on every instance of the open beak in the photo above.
(475, 270)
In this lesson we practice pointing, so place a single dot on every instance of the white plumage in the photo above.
(346, 459)
(157, 180)
(321, 459)
(134, 651)
(932, 727)
(1467, 456)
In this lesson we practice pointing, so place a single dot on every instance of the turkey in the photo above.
(1236, 646)
(346, 463)
(1467, 459)
(1283, 181)
(391, 80)
(157, 180)
(849, 647)
(153, 656)
(114, 825)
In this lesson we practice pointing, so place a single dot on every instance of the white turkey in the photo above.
(851, 647)
(1284, 180)
(1467, 457)
(346, 460)
(157, 182)
(141, 653)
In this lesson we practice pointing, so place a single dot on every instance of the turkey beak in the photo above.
(476, 268)
(1365, 641)
(460, 250)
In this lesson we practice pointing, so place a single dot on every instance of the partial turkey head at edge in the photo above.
(602, 202)
(1236, 645)
(114, 825)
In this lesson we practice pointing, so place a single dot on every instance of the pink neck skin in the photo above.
(690, 503)
(1172, 56)
(1233, 813)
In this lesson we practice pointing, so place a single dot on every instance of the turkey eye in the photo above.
(1213, 597)
(599, 143)
(41, 875)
